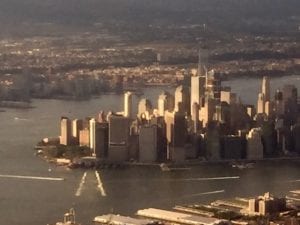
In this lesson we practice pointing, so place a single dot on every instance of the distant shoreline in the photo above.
(88, 162)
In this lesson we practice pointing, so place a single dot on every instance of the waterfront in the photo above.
(43, 201)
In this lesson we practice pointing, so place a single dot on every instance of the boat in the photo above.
(165, 168)
(243, 165)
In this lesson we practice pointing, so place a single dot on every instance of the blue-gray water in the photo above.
(38, 202)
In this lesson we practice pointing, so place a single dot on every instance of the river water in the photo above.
(36, 201)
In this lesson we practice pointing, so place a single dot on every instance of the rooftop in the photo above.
(120, 220)
(179, 217)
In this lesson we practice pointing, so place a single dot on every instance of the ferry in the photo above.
(165, 168)
(243, 165)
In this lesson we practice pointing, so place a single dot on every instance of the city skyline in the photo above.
(223, 127)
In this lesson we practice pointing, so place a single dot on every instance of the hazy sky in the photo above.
(83, 12)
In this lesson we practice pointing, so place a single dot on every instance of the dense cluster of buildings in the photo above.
(83, 65)
(261, 210)
(204, 121)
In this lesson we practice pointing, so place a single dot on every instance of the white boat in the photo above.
(243, 165)
(165, 168)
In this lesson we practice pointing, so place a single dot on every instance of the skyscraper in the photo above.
(265, 88)
(195, 117)
(176, 132)
(148, 143)
(165, 103)
(128, 104)
(260, 103)
(66, 131)
(92, 135)
(144, 108)
(77, 125)
(207, 112)
(197, 90)
(118, 137)
(182, 99)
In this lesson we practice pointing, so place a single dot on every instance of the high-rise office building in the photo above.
(144, 108)
(250, 111)
(182, 100)
(260, 104)
(207, 112)
(233, 147)
(197, 91)
(92, 134)
(290, 92)
(269, 108)
(84, 137)
(65, 131)
(213, 85)
(265, 88)
(195, 117)
(213, 142)
(77, 125)
(254, 144)
(148, 143)
(176, 133)
(101, 117)
(295, 137)
(279, 103)
(165, 103)
(100, 149)
(119, 132)
(227, 96)
(128, 104)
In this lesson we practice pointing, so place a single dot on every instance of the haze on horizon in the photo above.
(16, 16)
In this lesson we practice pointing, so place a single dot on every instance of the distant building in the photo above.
(250, 111)
(118, 137)
(279, 103)
(180, 218)
(182, 100)
(269, 108)
(295, 137)
(266, 205)
(128, 104)
(227, 96)
(165, 103)
(144, 109)
(148, 143)
(66, 131)
(260, 104)
(197, 91)
(213, 143)
(254, 144)
(207, 112)
(265, 88)
(77, 125)
(195, 117)
(162, 153)
(84, 137)
(233, 147)
(213, 85)
(98, 138)
(176, 132)
(118, 220)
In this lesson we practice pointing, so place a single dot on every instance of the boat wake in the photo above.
(204, 193)
(210, 178)
(100, 184)
(32, 177)
(80, 187)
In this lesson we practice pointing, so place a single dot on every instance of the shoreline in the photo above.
(89, 162)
